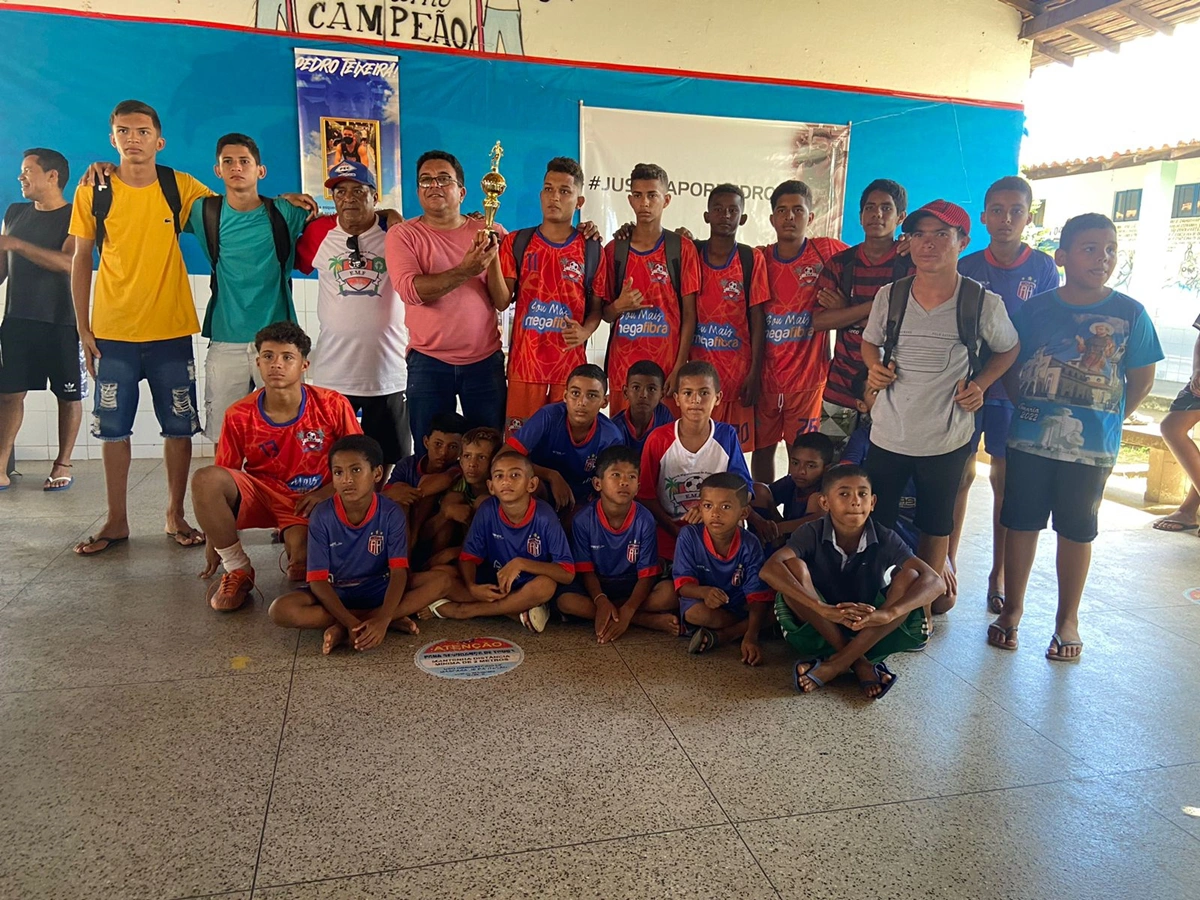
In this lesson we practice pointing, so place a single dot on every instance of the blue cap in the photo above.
(348, 170)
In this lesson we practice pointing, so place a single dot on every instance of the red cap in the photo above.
(943, 211)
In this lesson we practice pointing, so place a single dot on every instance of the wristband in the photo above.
(596, 599)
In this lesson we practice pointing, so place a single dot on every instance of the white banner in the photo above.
(699, 152)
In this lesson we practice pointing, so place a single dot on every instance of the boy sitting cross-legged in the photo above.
(564, 439)
(716, 571)
(453, 518)
(851, 592)
(515, 555)
(358, 581)
(271, 466)
(616, 557)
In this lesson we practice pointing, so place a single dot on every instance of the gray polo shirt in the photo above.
(916, 415)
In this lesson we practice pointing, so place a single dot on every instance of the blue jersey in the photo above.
(661, 416)
(493, 541)
(546, 439)
(697, 562)
(409, 470)
(348, 555)
(1071, 370)
(627, 552)
(856, 453)
(1033, 272)
(794, 503)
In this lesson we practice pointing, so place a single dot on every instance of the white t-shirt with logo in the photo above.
(363, 341)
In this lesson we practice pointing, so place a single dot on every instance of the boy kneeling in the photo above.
(615, 541)
(515, 554)
(877, 590)
(358, 581)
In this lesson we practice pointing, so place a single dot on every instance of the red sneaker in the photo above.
(232, 590)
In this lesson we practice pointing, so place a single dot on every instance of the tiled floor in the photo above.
(150, 748)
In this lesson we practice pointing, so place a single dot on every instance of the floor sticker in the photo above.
(481, 657)
(1193, 594)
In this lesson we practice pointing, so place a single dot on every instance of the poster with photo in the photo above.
(349, 108)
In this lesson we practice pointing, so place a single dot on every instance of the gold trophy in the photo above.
(493, 186)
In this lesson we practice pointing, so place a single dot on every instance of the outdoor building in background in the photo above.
(1153, 196)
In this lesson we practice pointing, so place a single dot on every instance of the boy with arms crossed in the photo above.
(358, 581)
(615, 556)
(453, 518)
(793, 499)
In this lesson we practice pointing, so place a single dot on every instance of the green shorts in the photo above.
(912, 634)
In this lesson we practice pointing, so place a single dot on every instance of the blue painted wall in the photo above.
(61, 75)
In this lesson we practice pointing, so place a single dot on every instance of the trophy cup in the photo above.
(493, 186)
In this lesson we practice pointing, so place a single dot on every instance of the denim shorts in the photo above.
(169, 368)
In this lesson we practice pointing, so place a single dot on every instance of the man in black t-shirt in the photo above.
(38, 340)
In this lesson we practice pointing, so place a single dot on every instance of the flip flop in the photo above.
(1172, 527)
(1057, 644)
(109, 543)
(535, 619)
(190, 535)
(1002, 638)
(433, 608)
(881, 669)
(702, 641)
(61, 483)
(797, 674)
(995, 603)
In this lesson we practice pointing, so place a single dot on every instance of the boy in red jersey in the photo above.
(730, 311)
(272, 463)
(547, 271)
(648, 285)
(796, 354)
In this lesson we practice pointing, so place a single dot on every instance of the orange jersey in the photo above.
(652, 332)
(795, 357)
(551, 290)
(723, 318)
(292, 456)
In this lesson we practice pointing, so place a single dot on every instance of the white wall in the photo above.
(955, 48)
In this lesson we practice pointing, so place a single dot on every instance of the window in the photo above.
(1127, 205)
(1187, 201)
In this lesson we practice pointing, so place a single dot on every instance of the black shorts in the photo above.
(1035, 487)
(1185, 402)
(935, 479)
(34, 354)
(385, 418)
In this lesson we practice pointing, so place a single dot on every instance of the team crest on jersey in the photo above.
(311, 441)
(357, 275)
(738, 575)
(534, 545)
(658, 273)
(572, 271)
(269, 449)
(731, 289)
(590, 464)
(632, 549)
(1026, 288)
(375, 543)
(808, 274)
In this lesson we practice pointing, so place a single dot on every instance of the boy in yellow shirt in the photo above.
(143, 318)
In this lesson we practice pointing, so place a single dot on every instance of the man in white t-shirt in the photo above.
(362, 342)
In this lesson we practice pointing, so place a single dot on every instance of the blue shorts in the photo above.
(360, 595)
(169, 368)
(992, 423)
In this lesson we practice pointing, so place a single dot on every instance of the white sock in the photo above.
(234, 557)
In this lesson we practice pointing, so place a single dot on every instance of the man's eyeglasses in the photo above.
(356, 258)
(426, 182)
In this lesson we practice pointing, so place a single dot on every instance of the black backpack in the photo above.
(212, 234)
(970, 308)
(102, 201)
(746, 254)
(591, 261)
(672, 249)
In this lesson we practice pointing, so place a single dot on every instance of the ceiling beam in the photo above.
(1094, 37)
(1145, 19)
(1029, 7)
(1051, 53)
(1060, 17)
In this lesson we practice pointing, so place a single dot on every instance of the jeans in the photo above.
(435, 386)
(171, 372)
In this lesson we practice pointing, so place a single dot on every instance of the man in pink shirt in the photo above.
(444, 266)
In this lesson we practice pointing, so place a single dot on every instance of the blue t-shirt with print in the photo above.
(1072, 368)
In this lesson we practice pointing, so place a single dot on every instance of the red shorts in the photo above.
(783, 416)
(263, 505)
(731, 412)
(525, 398)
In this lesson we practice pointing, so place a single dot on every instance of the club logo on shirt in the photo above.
(589, 465)
(658, 273)
(632, 549)
(534, 545)
(357, 275)
(572, 271)
(1026, 288)
(738, 575)
(375, 543)
(807, 275)
(731, 289)
(269, 449)
(311, 441)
